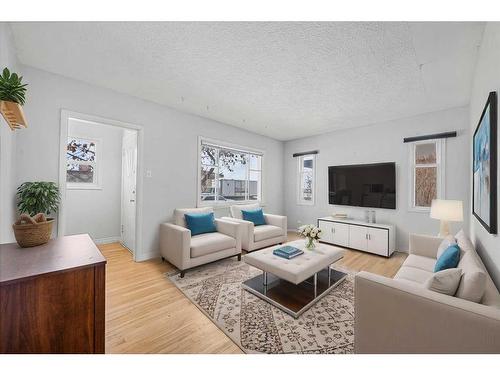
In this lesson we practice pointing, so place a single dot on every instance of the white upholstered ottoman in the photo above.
(294, 285)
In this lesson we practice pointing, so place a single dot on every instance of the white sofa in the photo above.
(257, 237)
(400, 315)
(185, 251)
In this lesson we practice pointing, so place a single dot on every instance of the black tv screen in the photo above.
(363, 185)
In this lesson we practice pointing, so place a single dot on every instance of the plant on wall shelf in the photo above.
(12, 97)
(12, 89)
(36, 197)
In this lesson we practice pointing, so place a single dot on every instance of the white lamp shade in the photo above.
(447, 210)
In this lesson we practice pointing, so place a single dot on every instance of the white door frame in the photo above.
(65, 116)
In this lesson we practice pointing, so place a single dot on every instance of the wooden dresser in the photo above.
(52, 297)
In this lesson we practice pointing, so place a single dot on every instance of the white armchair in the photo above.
(185, 251)
(257, 237)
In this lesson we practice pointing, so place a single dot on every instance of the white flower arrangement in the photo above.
(310, 231)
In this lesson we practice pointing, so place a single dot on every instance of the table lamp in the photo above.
(446, 211)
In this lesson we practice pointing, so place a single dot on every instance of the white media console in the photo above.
(373, 238)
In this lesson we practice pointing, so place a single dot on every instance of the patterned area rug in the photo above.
(258, 327)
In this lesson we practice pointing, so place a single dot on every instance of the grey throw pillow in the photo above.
(473, 282)
(445, 281)
(472, 286)
(446, 243)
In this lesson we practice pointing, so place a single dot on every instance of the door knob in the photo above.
(132, 200)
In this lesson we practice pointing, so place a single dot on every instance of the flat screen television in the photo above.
(363, 185)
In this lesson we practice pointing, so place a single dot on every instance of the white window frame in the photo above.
(440, 172)
(300, 164)
(97, 184)
(231, 146)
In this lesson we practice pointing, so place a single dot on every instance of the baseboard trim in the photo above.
(147, 256)
(106, 240)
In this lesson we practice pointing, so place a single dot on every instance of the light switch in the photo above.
(149, 174)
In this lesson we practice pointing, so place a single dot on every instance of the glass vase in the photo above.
(310, 244)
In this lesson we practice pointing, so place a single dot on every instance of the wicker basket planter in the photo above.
(29, 232)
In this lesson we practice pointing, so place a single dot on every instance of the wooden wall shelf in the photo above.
(13, 114)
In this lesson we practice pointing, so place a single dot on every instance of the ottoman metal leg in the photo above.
(294, 299)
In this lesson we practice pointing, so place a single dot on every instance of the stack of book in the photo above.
(339, 216)
(287, 252)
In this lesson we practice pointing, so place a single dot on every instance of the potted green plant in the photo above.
(34, 201)
(12, 97)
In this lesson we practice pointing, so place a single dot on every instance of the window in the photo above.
(426, 173)
(81, 163)
(228, 174)
(306, 168)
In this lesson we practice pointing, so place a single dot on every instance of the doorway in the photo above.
(100, 164)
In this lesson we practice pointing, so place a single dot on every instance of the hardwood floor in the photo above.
(146, 313)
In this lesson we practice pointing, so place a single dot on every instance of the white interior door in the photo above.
(129, 180)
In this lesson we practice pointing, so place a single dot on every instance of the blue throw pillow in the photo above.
(255, 216)
(449, 258)
(200, 223)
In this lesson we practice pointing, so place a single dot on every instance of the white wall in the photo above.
(170, 145)
(7, 146)
(170, 152)
(97, 211)
(382, 143)
(486, 79)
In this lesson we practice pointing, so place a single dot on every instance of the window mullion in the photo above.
(426, 165)
(81, 162)
(299, 175)
(216, 188)
(414, 195)
(247, 182)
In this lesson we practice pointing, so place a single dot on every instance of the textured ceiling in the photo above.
(285, 80)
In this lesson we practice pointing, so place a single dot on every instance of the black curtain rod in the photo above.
(305, 153)
(430, 136)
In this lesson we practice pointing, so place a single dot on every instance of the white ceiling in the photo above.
(285, 80)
